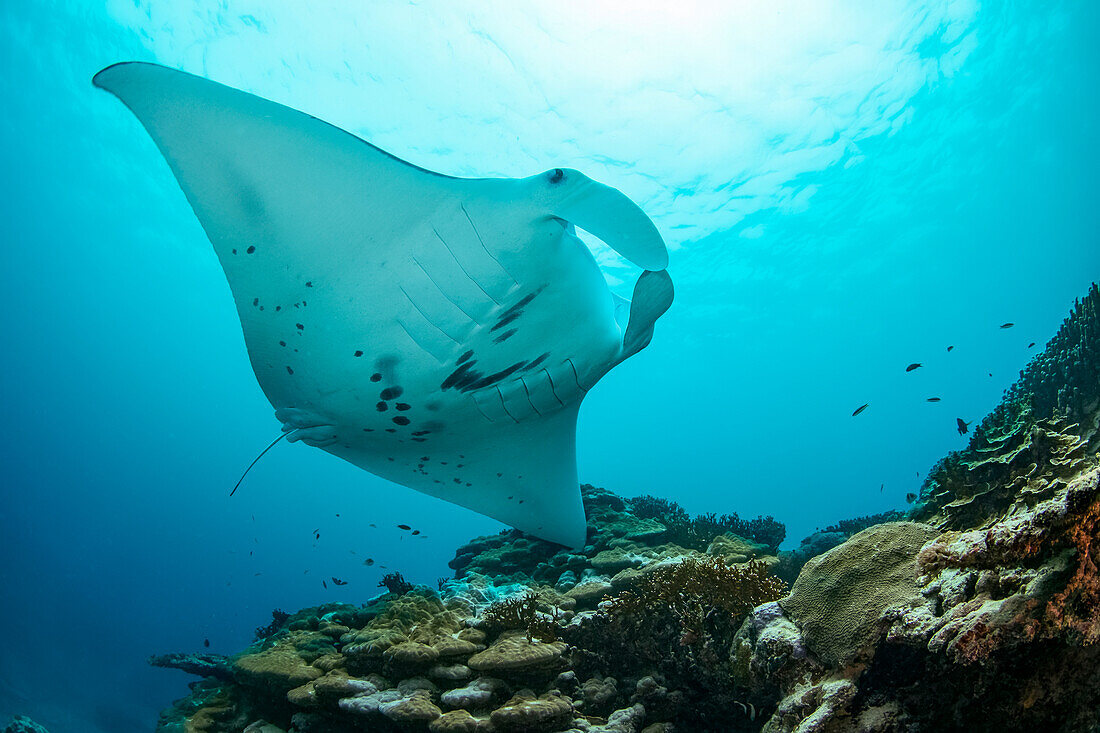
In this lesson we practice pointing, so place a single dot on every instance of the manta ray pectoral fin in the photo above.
(652, 297)
(608, 214)
(523, 474)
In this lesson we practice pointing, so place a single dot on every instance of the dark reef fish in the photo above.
(861, 408)
(914, 365)
(1010, 324)
(324, 584)
(933, 399)
(337, 581)
(910, 497)
(964, 427)
(369, 561)
(949, 348)
(206, 643)
(1032, 344)
(404, 526)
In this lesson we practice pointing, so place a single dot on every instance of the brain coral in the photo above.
(840, 596)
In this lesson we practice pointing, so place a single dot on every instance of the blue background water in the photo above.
(847, 188)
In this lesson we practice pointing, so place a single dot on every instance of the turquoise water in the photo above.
(844, 192)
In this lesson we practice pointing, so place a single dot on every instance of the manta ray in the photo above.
(438, 332)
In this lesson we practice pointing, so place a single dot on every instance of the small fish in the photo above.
(914, 365)
(317, 536)
(990, 374)
(416, 531)
(257, 574)
(253, 517)
(910, 497)
(404, 526)
(324, 584)
(250, 553)
(206, 643)
(861, 408)
(337, 581)
(1010, 324)
(950, 347)
(369, 561)
(933, 399)
(337, 516)
(881, 487)
(1031, 345)
(964, 427)
(316, 530)
(372, 524)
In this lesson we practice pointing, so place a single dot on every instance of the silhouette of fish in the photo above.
(964, 427)
(914, 365)
(1008, 325)
(337, 581)
(910, 497)
(933, 399)
(1031, 344)
(206, 643)
(950, 347)
(324, 584)
(861, 408)
(404, 526)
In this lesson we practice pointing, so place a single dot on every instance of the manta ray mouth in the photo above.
(306, 426)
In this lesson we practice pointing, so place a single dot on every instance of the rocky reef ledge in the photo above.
(978, 609)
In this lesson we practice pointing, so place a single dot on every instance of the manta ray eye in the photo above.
(557, 175)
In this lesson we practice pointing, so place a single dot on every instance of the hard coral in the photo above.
(1046, 429)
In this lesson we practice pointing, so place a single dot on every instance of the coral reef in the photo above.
(23, 724)
(629, 632)
(1044, 431)
(988, 591)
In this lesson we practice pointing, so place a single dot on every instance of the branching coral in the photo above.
(696, 533)
(278, 619)
(693, 591)
(395, 583)
(527, 612)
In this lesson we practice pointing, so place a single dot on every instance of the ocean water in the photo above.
(845, 188)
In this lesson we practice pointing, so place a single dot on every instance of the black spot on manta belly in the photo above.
(505, 320)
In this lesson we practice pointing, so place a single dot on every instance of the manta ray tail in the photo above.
(257, 459)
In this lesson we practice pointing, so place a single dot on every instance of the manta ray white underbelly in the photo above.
(438, 332)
